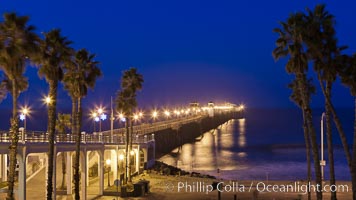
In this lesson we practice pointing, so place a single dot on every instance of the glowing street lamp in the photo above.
(47, 100)
(100, 111)
(140, 116)
(121, 117)
(167, 113)
(101, 117)
(135, 117)
(154, 115)
(24, 112)
(241, 107)
(95, 117)
(187, 111)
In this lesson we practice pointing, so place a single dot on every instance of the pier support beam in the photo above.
(138, 164)
(22, 177)
(84, 174)
(3, 167)
(54, 183)
(4, 171)
(113, 165)
(101, 172)
(87, 167)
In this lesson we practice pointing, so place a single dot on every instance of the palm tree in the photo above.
(348, 77)
(324, 51)
(296, 98)
(290, 43)
(62, 125)
(126, 103)
(3, 90)
(80, 75)
(55, 53)
(17, 43)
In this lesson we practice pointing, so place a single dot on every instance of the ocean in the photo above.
(266, 144)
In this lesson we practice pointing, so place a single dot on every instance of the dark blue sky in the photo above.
(186, 50)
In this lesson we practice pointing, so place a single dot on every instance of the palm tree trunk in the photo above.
(309, 119)
(74, 108)
(127, 148)
(338, 125)
(131, 133)
(353, 171)
(330, 141)
(307, 148)
(79, 125)
(79, 120)
(77, 153)
(315, 153)
(130, 149)
(51, 136)
(14, 140)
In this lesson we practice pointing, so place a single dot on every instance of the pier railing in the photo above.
(147, 128)
(41, 137)
(142, 133)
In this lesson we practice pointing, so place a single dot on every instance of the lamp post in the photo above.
(322, 161)
(24, 112)
(102, 117)
(95, 117)
(108, 162)
(112, 118)
(100, 112)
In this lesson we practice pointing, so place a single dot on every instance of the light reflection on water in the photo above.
(240, 154)
(213, 150)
